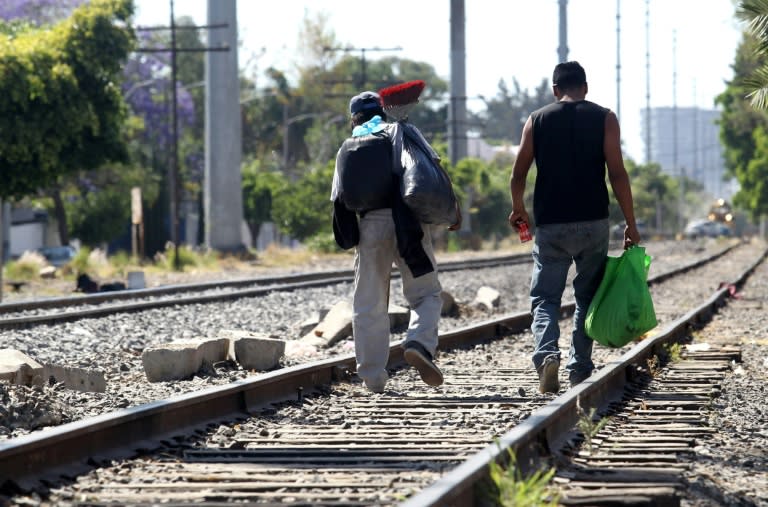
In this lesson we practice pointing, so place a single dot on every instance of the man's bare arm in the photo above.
(520, 170)
(617, 175)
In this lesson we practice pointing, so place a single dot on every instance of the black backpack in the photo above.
(364, 165)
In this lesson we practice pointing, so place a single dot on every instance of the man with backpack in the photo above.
(370, 215)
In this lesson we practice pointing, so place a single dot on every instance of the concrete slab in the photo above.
(79, 379)
(259, 351)
(337, 325)
(18, 368)
(181, 359)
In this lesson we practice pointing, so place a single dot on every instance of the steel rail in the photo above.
(50, 453)
(69, 316)
(268, 285)
(547, 428)
(330, 276)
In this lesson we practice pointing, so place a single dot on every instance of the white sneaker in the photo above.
(377, 384)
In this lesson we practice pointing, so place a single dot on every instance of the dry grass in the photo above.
(280, 257)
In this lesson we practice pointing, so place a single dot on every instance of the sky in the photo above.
(691, 43)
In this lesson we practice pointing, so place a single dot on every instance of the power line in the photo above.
(362, 79)
(173, 172)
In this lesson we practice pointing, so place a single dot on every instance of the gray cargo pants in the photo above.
(374, 255)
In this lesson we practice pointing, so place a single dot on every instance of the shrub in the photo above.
(81, 263)
(27, 267)
(187, 257)
(322, 243)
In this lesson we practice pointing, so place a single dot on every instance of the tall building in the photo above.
(686, 141)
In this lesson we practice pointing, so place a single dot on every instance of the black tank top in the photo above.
(570, 163)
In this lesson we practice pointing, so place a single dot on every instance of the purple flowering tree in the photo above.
(37, 12)
(84, 201)
(147, 92)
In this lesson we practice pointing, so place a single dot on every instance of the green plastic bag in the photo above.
(622, 308)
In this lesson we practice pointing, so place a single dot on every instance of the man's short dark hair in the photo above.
(364, 116)
(569, 75)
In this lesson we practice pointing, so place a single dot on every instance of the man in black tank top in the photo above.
(572, 142)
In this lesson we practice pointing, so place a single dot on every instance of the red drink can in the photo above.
(522, 229)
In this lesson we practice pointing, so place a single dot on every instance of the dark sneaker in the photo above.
(576, 378)
(417, 356)
(548, 379)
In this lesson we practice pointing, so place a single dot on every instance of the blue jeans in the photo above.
(555, 247)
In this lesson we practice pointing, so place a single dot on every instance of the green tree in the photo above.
(755, 12)
(259, 190)
(506, 113)
(755, 176)
(60, 108)
(739, 124)
(483, 190)
(652, 193)
(303, 209)
(100, 206)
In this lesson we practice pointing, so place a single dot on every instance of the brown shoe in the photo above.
(417, 356)
(549, 382)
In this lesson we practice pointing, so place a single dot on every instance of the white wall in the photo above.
(26, 237)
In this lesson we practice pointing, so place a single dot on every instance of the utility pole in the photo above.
(696, 168)
(223, 193)
(562, 50)
(679, 171)
(173, 169)
(618, 59)
(457, 113)
(5, 239)
(647, 82)
(173, 180)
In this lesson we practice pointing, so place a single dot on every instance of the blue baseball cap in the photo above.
(363, 101)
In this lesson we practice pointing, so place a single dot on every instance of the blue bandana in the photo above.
(372, 126)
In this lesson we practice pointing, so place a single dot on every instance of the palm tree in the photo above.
(755, 13)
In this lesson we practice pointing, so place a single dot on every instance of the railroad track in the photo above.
(67, 309)
(270, 457)
(635, 458)
(19, 315)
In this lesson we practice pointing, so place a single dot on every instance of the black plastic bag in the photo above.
(425, 186)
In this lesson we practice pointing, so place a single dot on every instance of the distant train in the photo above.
(721, 211)
(720, 222)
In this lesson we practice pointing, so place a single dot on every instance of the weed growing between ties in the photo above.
(654, 366)
(673, 351)
(588, 426)
(510, 488)
(669, 352)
